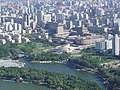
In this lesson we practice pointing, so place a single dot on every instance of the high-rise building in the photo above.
(28, 3)
(33, 24)
(2, 19)
(115, 45)
(40, 16)
(47, 18)
(108, 44)
(26, 20)
(60, 29)
(69, 25)
(111, 3)
(100, 46)
(59, 17)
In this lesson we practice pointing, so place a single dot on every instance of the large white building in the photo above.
(108, 44)
(47, 18)
(100, 46)
(103, 45)
(115, 45)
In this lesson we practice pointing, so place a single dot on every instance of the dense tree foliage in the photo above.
(112, 77)
(50, 56)
(37, 51)
(34, 51)
(32, 48)
(87, 60)
(53, 80)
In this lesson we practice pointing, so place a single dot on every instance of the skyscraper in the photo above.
(26, 18)
(111, 3)
(115, 45)
(40, 15)
(28, 3)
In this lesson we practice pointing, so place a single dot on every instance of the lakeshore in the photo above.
(11, 63)
(83, 69)
(58, 68)
(10, 85)
(46, 78)
(89, 70)
(45, 62)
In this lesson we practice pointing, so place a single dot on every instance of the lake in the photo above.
(59, 68)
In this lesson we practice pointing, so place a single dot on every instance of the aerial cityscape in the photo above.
(59, 44)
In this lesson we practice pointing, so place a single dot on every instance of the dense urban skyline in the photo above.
(60, 44)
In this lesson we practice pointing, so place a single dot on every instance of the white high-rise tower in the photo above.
(115, 45)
